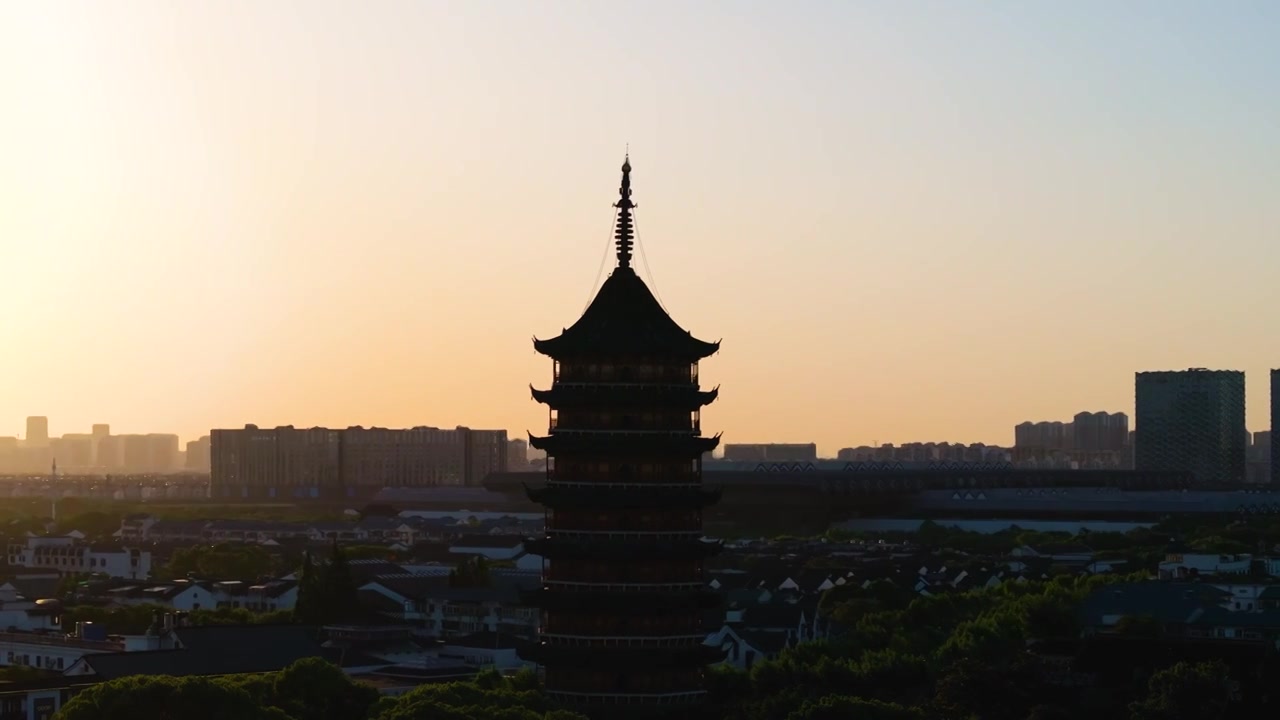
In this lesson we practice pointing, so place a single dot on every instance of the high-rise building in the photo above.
(1099, 431)
(109, 455)
(197, 458)
(485, 452)
(517, 454)
(162, 453)
(1192, 421)
(100, 432)
(136, 453)
(74, 452)
(293, 462)
(770, 452)
(37, 431)
(623, 595)
(1042, 435)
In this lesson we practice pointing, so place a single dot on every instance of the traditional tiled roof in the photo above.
(217, 650)
(625, 319)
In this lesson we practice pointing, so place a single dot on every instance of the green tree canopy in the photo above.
(1187, 691)
(166, 698)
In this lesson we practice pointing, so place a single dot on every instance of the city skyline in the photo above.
(251, 215)
(820, 451)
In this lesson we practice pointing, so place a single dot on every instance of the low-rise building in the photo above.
(441, 610)
(188, 595)
(68, 556)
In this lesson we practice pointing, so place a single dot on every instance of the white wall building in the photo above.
(68, 556)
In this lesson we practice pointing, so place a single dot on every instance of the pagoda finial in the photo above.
(624, 233)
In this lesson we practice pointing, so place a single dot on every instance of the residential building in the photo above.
(188, 595)
(68, 556)
(282, 462)
(440, 610)
(72, 452)
(1192, 420)
(197, 459)
(517, 455)
(1042, 435)
(33, 634)
(37, 431)
(1100, 431)
(770, 452)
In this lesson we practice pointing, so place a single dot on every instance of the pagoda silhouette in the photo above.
(623, 597)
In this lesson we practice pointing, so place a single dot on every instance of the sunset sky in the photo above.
(906, 220)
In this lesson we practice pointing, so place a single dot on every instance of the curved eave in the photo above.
(657, 445)
(562, 397)
(569, 346)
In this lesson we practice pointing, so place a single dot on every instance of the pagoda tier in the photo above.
(623, 596)
(554, 496)
(623, 549)
(634, 603)
(622, 442)
(685, 397)
(621, 657)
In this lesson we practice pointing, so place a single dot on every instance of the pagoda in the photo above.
(623, 597)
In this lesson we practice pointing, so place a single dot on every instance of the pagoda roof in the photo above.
(650, 444)
(625, 320)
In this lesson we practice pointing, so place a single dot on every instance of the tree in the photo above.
(844, 707)
(341, 596)
(1048, 712)
(1190, 691)
(328, 593)
(472, 572)
(221, 562)
(166, 698)
(313, 689)
(490, 697)
(308, 608)
(973, 689)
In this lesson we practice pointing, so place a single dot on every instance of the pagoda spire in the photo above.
(624, 233)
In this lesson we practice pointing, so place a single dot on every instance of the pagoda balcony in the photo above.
(691, 548)
(625, 374)
(591, 495)
(688, 427)
(561, 639)
(593, 535)
(567, 697)
(629, 444)
(638, 603)
(572, 586)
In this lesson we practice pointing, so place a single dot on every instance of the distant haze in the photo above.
(907, 220)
